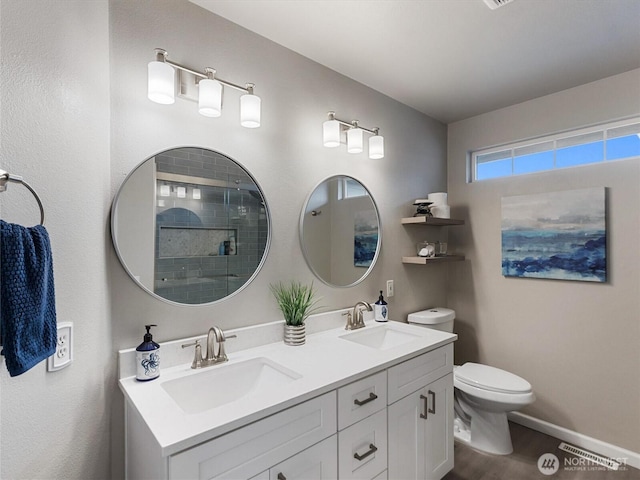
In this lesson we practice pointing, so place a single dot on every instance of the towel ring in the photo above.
(8, 177)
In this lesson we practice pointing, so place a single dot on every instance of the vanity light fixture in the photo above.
(161, 89)
(165, 190)
(181, 192)
(195, 193)
(331, 133)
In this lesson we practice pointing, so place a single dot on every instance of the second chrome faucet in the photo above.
(215, 335)
(355, 319)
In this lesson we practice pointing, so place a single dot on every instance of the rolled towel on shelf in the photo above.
(28, 326)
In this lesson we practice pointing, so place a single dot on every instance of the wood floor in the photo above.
(522, 464)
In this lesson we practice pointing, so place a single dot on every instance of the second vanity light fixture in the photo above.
(331, 132)
(161, 89)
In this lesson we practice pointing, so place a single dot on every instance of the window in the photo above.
(614, 141)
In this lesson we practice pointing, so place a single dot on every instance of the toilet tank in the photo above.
(438, 318)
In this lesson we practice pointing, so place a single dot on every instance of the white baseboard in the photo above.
(614, 452)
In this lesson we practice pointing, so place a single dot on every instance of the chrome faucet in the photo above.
(215, 335)
(355, 319)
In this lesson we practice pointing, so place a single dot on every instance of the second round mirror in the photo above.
(340, 231)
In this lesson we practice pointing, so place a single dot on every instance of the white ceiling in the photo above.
(453, 59)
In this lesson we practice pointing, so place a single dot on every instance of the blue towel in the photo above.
(27, 301)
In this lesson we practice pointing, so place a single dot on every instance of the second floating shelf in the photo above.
(425, 260)
(433, 221)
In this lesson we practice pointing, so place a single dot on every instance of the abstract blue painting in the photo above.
(557, 235)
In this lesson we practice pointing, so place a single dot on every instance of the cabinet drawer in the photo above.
(250, 450)
(362, 448)
(414, 374)
(319, 462)
(362, 398)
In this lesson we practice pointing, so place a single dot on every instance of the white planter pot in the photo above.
(294, 335)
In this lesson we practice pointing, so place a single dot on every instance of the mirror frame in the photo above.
(301, 233)
(145, 288)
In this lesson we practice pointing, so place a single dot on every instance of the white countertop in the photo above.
(325, 362)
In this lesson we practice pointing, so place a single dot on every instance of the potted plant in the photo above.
(296, 302)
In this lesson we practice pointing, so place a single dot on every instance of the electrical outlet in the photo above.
(63, 355)
(390, 291)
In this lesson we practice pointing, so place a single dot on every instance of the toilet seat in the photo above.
(492, 379)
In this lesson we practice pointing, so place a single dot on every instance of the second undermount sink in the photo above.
(222, 384)
(381, 337)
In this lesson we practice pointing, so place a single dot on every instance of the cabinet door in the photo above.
(421, 433)
(407, 438)
(439, 427)
(319, 462)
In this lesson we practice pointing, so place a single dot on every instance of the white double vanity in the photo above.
(374, 403)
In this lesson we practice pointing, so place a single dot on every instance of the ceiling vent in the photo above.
(493, 4)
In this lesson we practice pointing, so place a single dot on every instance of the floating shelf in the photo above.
(427, 260)
(433, 221)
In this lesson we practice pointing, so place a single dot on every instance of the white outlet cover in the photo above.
(390, 289)
(63, 355)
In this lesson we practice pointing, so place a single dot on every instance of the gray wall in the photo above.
(575, 342)
(76, 120)
(285, 156)
(55, 133)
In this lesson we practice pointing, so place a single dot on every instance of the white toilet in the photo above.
(483, 394)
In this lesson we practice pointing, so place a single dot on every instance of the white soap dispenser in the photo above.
(380, 310)
(148, 357)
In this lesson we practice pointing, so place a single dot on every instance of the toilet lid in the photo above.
(491, 378)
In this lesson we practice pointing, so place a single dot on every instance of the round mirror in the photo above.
(190, 226)
(340, 231)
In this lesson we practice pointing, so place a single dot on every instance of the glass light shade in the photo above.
(376, 147)
(210, 98)
(354, 140)
(165, 190)
(161, 83)
(331, 133)
(250, 110)
(196, 194)
(181, 192)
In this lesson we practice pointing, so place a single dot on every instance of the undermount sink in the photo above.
(221, 384)
(380, 337)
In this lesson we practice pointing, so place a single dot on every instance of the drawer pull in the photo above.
(425, 409)
(372, 397)
(433, 401)
(281, 476)
(372, 449)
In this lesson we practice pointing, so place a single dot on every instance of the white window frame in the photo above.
(551, 139)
